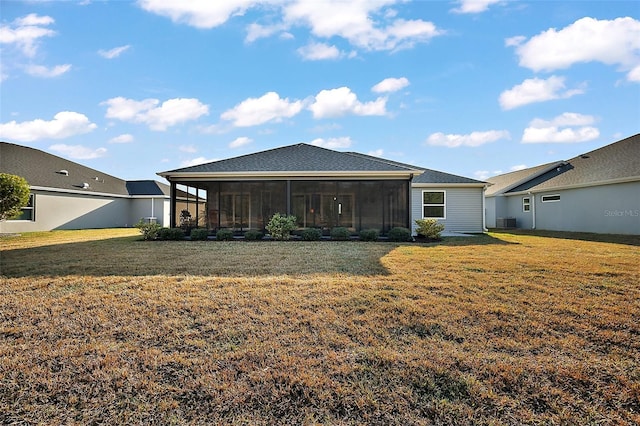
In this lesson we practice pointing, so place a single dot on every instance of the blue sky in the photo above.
(474, 88)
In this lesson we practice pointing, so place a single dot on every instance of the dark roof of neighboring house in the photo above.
(147, 187)
(309, 158)
(615, 162)
(42, 169)
(505, 182)
(296, 158)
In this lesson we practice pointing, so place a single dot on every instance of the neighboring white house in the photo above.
(67, 195)
(598, 191)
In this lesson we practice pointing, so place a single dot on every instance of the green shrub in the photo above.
(14, 195)
(280, 226)
(340, 233)
(174, 234)
(399, 234)
(253, 235)
(369, 235)
(201, 234)
(429, 228)
(312, 234)
(149, 231)
(224, 235)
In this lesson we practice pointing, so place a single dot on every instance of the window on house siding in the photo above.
(526, 204)
(433, 204)
(28, 211)
(550, 198)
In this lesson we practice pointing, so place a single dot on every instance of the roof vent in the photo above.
(85, 185)
(63, 172)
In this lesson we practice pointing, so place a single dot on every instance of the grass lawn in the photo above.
(505, 328)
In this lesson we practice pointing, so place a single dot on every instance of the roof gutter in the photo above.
(191, 176)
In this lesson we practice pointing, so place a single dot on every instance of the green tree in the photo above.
(14, 195)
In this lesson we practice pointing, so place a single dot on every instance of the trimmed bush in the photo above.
(253, 235)
(175, 234)
(280, 226)
(340, 233)
(149, 231)
(312, 234)
(224, 235)
(369, 235)
(429, 228)
(399, 234)
(200, 234)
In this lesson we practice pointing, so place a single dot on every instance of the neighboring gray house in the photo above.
(67, 195)
(594, 192)
(324, 189)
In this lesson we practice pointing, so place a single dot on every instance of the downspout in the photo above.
(484, 210)
(533, 209)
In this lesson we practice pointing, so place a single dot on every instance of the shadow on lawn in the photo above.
(631, 240)
(129, 256)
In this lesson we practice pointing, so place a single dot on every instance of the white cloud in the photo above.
(63, 125)
(241, 141)
(333, 143)
(390, 85)
(517, 167)
(25, 32)
(473, 139)
(78, 152)
(634, 74)
(536, 90)
(319, 51)
(124, 138)
(366, 24)
(473, 6)
(170, 113)
(113, 53)
(197, 161)
(568, 127)
(257, 31)
(376, 153)
(188, 148)
(342, 101)
(485, 174)
(42, 71)
(256, 111)
(199, 14)
(355, 22)
(612, 42)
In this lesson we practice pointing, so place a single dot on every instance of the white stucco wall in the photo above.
(54, 210)
(606, 209)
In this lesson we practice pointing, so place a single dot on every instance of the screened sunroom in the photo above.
(320, 187)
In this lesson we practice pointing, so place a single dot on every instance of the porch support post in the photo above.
(288, 197)
(410, 204)
(172, 208)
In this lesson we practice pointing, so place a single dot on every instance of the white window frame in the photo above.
(526, 204)
(545, 199)
(443, 204)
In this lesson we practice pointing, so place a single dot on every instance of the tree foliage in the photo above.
(14, 195)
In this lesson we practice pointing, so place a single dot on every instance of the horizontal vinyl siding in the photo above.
(463, 208)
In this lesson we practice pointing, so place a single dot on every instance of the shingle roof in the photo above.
(147, 187)
(310, 158)
(296, 158)
(46, 170)
(427, 175)
(617, 161)
(503, 182)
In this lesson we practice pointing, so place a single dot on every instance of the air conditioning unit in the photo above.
(505, 222)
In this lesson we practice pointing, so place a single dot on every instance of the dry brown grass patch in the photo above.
(497, 329)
